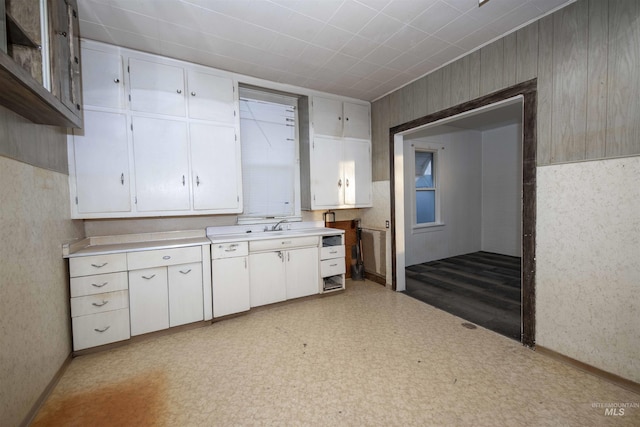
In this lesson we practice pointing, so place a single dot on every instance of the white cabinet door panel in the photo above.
(302, 272)
(356, 121)
(211, 97)
(267, 273)
(156, 88)
(326, 172)
(357, 172)
(230, 283)
(327, 116)
(102, 163)
(162, 164)
(185, 294)
(215, 161)
(148, 300)
(102, 79)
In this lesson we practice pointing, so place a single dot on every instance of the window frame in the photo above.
(436, 165)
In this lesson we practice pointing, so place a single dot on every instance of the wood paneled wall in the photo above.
(585, 56)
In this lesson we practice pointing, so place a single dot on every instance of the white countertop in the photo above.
(264, 235)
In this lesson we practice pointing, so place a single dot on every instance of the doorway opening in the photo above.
(463, 183)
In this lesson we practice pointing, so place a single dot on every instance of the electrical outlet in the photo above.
(386, 224)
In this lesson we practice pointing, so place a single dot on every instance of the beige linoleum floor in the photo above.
(368, 356)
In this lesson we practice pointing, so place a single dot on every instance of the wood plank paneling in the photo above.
(434, 92)
(527, 53)
(545, 88)
(623, 106)
(460, 89)
(446, 86)
(492, 67)
(570, 46)
(510, 60)
(474, 74)
(406, 104)
(395, 108)
(597, 79)
(380, 139)
(420, 97)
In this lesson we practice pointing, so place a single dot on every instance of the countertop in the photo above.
(266, 235)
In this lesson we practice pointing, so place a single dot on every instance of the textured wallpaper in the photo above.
(34, 302)
(588, 263)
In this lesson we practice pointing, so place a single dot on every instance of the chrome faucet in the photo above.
(275, 227)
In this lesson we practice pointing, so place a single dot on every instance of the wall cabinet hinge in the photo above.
(128, 69)
(234, 113)
(235, 136)
(76, 200)
(132, 126)
(135, 200)
(129, 97)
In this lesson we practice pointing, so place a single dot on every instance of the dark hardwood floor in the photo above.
(481, 287)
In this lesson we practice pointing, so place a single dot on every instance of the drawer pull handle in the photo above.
(102, 330)
(150, 277)
(286, 242)
(99, 286)
(333, 252)
(100, 305)
(99, 266)
(185, 272)
(166, 257)
(333, 265)
(230, 250)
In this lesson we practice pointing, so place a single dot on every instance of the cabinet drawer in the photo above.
(101, 328)
(331, 267)
(162, 257)
(98, 284)
(97, 264)
(329, 252)
(92, 304)
(229, 250)
(282, 243)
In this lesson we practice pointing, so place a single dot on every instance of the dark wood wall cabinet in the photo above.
(31, 38)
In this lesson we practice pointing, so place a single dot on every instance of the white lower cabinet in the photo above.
(185, 294)
(148, 300)
(230, 278)
(100, 329)
(302, 272)
(267, 274)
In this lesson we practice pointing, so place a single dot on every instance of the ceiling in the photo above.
(356, 48)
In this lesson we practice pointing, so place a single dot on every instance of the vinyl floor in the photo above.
(483, 288)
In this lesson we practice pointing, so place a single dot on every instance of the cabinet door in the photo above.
(356, 121)
(327, 116)
(211, 97)
(216, 169)
(186, 301)
(326, 173)
(230, 283)
(357, 173)
(267, 276)
(102, 163)
(148, 300)
(65, 53)
(102, 79)
(162, 164)
(156, 88)
(302, 272)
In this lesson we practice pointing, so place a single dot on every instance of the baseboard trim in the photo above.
(608, 376)
(31, 415)
(381, 280)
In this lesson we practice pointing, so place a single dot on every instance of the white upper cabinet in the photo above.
(161, 156)
(215, 168)
(342, 119)
(156, 87)
(101, 160)
(356, 121)
(211, 97)
(102, 79)
(326, 172)
(356, 163)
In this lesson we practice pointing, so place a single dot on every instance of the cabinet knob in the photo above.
(62, 33)
(347, 182)
(183, 180)
(347, 119)
(122, 178)
(193, 94)
(197, 181)
(339, 183)
(116, 80)
(339, 118)
(179, 90)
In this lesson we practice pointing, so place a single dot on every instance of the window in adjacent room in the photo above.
(426, 188)
(270, 156)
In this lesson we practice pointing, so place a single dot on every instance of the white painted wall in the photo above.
(460, 183)
(502, 190)
(588, 263)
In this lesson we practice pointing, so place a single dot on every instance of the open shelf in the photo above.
(17, 35)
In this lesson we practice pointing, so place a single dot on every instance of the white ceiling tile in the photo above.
(317, 9)
(287, 46)
(365, 85)
(382, 55)
(436, 17)
(91, 30)
(384, 74)
(422, 68)
(332, 37)
(477, 38)
(358, 47)
(362, 69)
(457, 29)
(374, 4)
(406, 38)
(428, 47)
(316, 56)
(352, 16)
(407, 10)
(134, 41)
(341, 62)
(462, 5)
(301, 27)
(447, 54)
(405, 61)
(380, 28)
